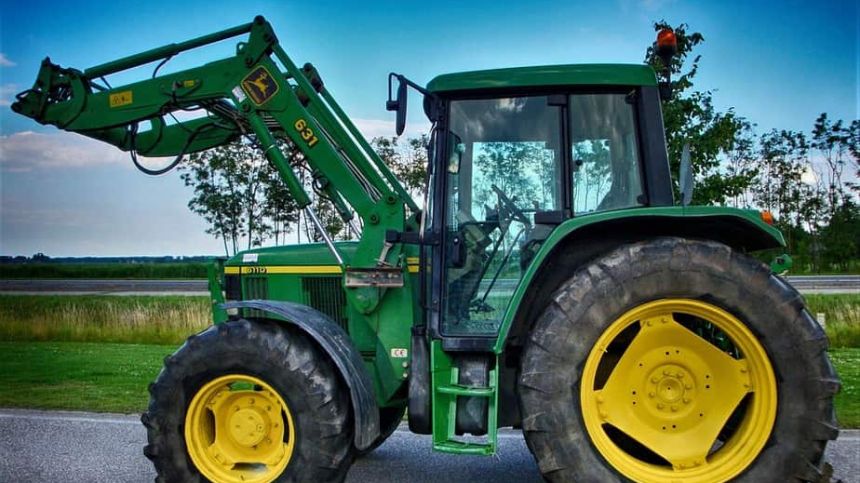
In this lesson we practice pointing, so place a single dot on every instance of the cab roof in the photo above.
(548, 75)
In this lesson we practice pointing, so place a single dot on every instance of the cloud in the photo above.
(5, 62)
(7, 92)
(28, 151)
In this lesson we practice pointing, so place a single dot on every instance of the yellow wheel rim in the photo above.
(678, 390)
(239, 429)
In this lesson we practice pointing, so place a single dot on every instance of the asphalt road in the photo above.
(39, 446)
(805, 284)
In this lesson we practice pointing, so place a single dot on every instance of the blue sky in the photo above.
(777, 63)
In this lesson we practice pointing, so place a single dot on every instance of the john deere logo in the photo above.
(259, 85)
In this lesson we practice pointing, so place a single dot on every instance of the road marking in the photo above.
(78, 419)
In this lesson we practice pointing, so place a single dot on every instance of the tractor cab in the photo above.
(516, 152)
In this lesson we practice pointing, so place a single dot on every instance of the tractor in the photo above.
(549, 281)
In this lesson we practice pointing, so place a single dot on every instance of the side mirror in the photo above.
(399, 104)
(685, 176)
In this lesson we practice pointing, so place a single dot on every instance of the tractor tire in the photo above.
(252, 402)
(389, 420)
(677, 360)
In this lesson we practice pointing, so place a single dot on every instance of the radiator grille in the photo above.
(256, 288)
(326, 295)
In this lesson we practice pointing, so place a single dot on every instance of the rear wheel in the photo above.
(249, 402)
(677, 360)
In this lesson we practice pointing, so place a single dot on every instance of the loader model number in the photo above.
(306, 132)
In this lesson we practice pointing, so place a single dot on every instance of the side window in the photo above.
(605, 153)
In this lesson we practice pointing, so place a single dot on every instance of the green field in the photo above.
(105, 270)
(102, 318)
(114, 377)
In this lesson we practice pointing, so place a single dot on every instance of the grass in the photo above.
(136, 319)
(104, 270)
(841, 315)
(114, 377)
(847, 364)
(78, 376)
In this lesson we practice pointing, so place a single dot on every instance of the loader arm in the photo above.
(247, 94)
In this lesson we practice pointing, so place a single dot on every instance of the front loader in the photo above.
(549, 282)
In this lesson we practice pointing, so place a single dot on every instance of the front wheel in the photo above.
(677, 360)
(249, 402)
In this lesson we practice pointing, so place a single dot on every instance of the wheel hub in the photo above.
(247, 427)
(671, 389)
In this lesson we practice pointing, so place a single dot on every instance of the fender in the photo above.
(740, 229)
(336, 343)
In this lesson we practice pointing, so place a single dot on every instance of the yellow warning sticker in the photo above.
(123, 98)
(259, 85)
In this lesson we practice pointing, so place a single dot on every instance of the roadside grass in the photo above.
(104, 270)
(78, 376)
(847, 364)
(841, 317)
(105, 377)
(134, 319)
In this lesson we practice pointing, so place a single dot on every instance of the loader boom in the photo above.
(247, 94)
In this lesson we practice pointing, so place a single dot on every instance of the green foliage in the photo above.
(408, 162)
(132, 319)
(104, 270)
(691, 118)
(800, 178)
(240, 194)
(79, 376)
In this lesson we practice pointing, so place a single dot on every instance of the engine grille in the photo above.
(326, 295)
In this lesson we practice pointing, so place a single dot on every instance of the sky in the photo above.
(777, 63)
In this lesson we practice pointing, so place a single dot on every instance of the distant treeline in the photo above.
(42, 258)
(104, 269)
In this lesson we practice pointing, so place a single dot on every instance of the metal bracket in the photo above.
(374, 277)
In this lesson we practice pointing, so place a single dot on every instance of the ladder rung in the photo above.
(461, 447)
(474, 391)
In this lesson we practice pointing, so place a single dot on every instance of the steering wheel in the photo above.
(511, 207)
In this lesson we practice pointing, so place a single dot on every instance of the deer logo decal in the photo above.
(259, 85)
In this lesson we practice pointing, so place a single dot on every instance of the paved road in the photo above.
(61, 446)
(806, 284)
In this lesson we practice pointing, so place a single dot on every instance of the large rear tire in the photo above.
(677, 360)
(389, 420)
(249, 402)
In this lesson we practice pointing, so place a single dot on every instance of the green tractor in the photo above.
(548, 282)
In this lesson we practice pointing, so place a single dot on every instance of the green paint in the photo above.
(750, 217)
(550, 75)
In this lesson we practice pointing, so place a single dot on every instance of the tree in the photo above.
(240, 195)
(690, 118)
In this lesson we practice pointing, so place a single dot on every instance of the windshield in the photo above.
(504, 165)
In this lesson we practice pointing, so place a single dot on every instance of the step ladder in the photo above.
(446, 391)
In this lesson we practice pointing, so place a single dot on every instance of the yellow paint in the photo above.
(119, 99)
(673, 391)
(189, 83)
(293, 269)
(235, 429)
